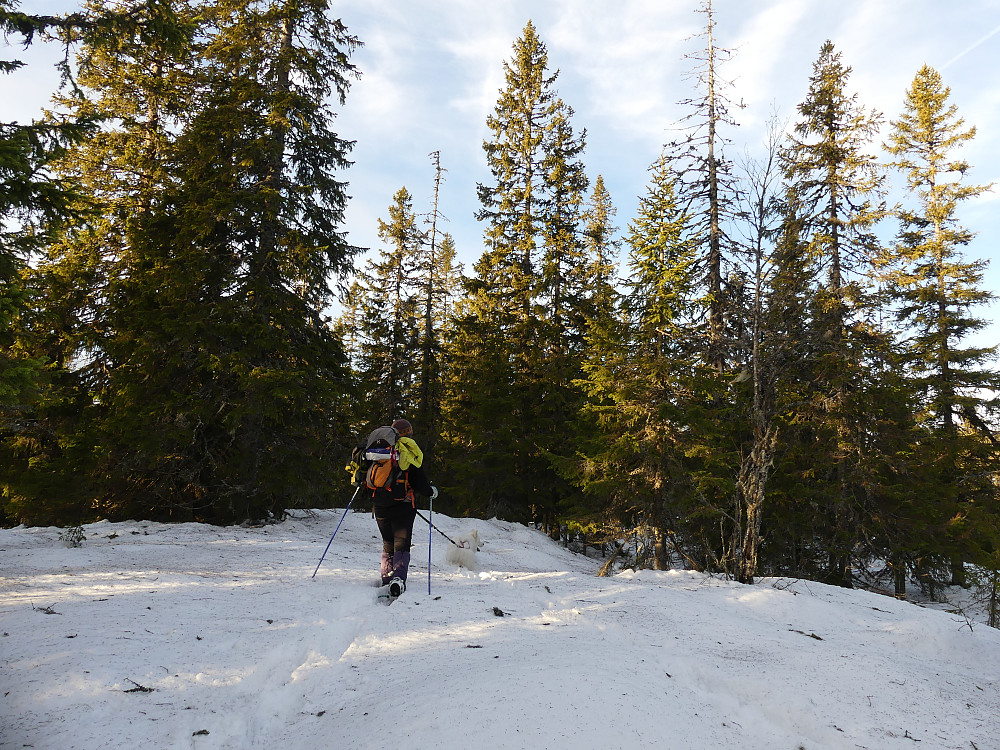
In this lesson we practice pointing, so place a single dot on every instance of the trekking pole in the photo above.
(437, 529)
(336, 530)
(430, 537)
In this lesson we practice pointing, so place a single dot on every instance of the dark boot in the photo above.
(396, 587)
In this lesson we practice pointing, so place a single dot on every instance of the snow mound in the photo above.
(193, 636)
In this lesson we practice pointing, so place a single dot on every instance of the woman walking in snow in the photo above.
(396, 508)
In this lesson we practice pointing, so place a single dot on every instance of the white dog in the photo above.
(463, 552)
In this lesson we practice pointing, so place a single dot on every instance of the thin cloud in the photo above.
(966, 51)
(759, 48)
(628, 67)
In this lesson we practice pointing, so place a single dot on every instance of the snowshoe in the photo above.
(396, 587)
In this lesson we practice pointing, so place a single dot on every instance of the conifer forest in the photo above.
(767, 372)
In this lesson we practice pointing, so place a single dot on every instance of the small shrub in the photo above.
(73, 536)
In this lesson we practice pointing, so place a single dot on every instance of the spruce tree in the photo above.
(837, 187)
(395, 321)
(633, 457)
(786, 340)
(35, 203)
(261, 149)
(216, 384)
(936, 290)
(388, 357)
(564, 300)
(520, 327)
(935, 286)
(513, 206)
(84, 264)
(496, 328)
(602, 247)
(706, 183)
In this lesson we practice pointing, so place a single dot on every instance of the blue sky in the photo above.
(431, 71)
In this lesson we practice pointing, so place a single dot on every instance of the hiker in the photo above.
(396, 508)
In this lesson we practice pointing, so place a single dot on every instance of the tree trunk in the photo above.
(958, 574)
(428, 371)
(716, 308)
(661, 559)
(993, 600)
(899, 576)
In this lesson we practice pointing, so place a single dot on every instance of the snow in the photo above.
(238, 646)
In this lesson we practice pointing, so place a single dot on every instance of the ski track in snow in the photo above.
(243, 649)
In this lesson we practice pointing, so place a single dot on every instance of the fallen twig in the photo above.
(138, 688)
(802, 632)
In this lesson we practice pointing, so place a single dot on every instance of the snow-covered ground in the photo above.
(192, 636)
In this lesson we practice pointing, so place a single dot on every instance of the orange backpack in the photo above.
(383, 467)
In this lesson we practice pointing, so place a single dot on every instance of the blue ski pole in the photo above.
(336, 530)
(430, 538)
